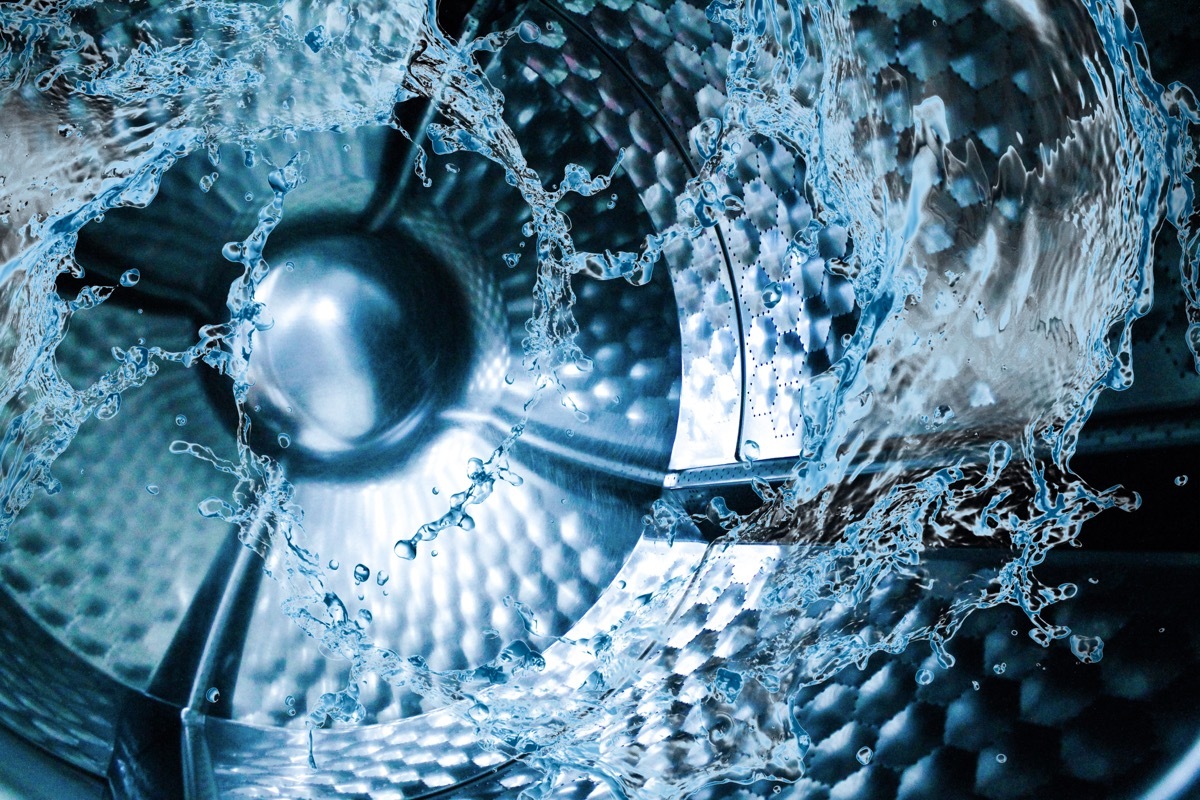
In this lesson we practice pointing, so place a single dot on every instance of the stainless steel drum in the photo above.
(145, 656)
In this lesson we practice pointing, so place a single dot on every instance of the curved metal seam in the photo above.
(646, 99)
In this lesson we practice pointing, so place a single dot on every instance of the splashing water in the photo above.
(996, 301)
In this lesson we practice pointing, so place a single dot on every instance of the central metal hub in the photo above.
(366, 347)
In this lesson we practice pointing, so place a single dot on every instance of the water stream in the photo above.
(996, 296)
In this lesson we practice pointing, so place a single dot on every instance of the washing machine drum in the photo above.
(144, 645)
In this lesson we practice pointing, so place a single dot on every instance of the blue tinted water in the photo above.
(1027, 302)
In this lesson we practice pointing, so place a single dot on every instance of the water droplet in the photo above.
(130, 277)
(232, 251)
(433, 553)
(381, 578)
(361, 573)
(924, 677)
(528, 32)
(942, 415)
(1093, 581)
(315, 38)
(479, 712)
(975, 685)
(406, 549)
(467, 523)
(152, 488)
(212, 695)
(750, 451)
(1088, 649)
(509, 379)
(109, 408)
(1001, 758)
(180, 420)
(249, 197)
(1000, 668)
(284, 440)
(512, 259)
(452, 168)
(334, 564)
(289, 700)
(772, 294)
(864, 755)
(1181, 480)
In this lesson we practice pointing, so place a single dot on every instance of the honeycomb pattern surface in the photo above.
(114, 586)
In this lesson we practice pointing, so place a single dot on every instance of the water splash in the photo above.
(881, 169)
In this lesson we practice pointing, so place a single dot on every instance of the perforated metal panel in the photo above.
(689, 368)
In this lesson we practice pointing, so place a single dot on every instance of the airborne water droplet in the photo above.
(1181, 480)
(406, 549)
(232, 251)
(334, 564)
(750, 452)
(361, 573)
(381, 578)
(315, 38)
(212, 695)
(528, 32)
(152, 488)
(130, 277)
(942, 414)
(864, 755)
(1001, 758)
(924, 677)
(1088, 649)
(1000, 668)
(772, 294)
(109, 408)
(284, 440)
(180, 420)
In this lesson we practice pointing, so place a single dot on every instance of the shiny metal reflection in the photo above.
(396, 333)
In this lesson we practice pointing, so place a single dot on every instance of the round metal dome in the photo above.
(147, 656)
